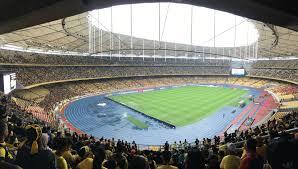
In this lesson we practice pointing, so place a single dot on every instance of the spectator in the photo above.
(251, 160)
(45, 158)
(282, 153)
(166, 156)
(61, 146)
(99, 157)
(5, 165)
(87, 158)
(167, 146)
(27, 154)
(231, 160)
(121, 161)
(194, 160)
(139, 162)
(4, 153)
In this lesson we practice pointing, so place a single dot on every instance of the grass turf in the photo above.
(137, 122)
(181, 106)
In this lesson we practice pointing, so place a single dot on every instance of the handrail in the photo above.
(267, 136)
(192, 144)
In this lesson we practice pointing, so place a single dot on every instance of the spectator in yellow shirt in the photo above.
(230, 161)
(62, 145)
(87, 163)
(86, 158)
(5, 155)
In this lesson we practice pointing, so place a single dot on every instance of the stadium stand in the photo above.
(81, 151)
(16, 57)
(33, 135)
(46, 85)
(276, 69)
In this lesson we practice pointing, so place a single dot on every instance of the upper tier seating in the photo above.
(276, 69)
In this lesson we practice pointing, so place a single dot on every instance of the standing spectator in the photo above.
(167, 146)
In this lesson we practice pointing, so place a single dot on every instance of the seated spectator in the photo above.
(86, 158)
(213, 162)
(111, 164)
(139, 162)
(45, 158)
(166, 156)
(27, 154)
(70, 156)
(5, 165)
(282, 153)
(61, 146)
(97, 162)
(261, 147)
(195, 160)
(231, 160)
(5, 155)
(121, 161)
(251, 160)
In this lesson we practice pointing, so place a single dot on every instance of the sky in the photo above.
(175, 24)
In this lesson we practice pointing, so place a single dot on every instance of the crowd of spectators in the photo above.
(62, 91)
(18, 57)
(281, 64)
(278, 69)
(282, 74)
(30, 144)
(34, 75)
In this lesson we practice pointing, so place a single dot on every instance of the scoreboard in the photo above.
(8, 82)
(238, 71)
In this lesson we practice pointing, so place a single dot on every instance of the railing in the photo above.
(293, 130)
(193, 144)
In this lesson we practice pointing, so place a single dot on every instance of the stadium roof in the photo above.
(71, 34)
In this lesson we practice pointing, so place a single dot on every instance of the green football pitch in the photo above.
(183, 105)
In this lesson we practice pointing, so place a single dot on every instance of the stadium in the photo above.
(148, 84)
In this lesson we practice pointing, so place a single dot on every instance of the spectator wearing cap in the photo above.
(230, 161)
